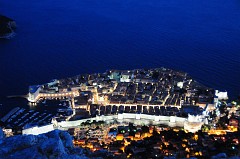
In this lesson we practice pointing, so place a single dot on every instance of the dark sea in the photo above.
(60, 38)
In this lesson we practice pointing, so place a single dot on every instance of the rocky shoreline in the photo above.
(7, 27)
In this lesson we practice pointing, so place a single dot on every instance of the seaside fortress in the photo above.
(33, 94)
(37, 92)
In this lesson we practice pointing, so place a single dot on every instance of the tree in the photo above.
(205, 128)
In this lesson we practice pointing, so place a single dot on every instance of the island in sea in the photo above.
(140, 113)
(7, 27)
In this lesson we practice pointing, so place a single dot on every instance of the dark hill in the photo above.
(7, 27)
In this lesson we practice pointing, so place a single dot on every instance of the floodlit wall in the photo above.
(38, 130)
(136, 118)
(193, 126)
(78, 122)
(127, 117)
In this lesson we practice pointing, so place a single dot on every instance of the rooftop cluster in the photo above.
(133, 141)
(159, 86)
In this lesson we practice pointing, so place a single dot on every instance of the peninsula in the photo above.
(142, 113)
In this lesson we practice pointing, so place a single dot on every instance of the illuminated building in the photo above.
(33, 93)
(221, 95)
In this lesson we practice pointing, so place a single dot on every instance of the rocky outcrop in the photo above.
(7, 27)
(55, 144)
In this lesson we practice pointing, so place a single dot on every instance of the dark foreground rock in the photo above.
(55, 144)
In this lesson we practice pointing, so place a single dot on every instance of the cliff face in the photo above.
(55, 144)
(7, 27)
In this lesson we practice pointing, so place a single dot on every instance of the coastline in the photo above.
(8, 35)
